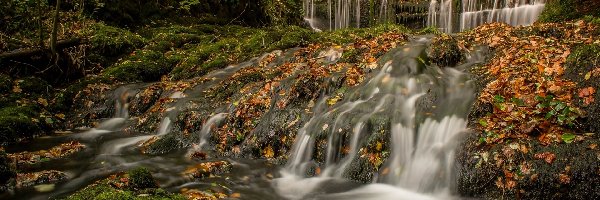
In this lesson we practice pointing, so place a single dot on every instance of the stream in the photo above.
(424, 110)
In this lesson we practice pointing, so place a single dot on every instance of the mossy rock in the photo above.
(169, 143)
(141, 178)
(112, 41)
(16, 124)
(579, 68)
(63, 100)
(5, 83)
(34, 86)
(444, 51)
(428, 30)
(102, 190)
(563, 10)
(144, 66)
(572, 175)
(6, 171)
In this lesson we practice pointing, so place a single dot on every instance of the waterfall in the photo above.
(477, 12)
(422, 144)
(340, 13)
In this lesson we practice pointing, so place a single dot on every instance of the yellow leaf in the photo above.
(42, 102)
(588, 75)
(268, 152)
(379, 146)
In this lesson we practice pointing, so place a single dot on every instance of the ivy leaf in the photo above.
(483, 123)
(560, 106)
(517, 101)
(499, 99)
(568, 137)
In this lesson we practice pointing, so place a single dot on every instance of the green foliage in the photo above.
(283, 12)
(556, 110)
(21, 14)
(141, 178)
(562, 10)
(567, 137)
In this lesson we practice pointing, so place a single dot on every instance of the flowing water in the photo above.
(420, 164)
(340, 14)
(473, 13)
(421, 107)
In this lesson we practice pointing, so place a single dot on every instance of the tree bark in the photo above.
(55, 28)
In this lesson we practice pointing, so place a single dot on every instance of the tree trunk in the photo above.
(55, 28)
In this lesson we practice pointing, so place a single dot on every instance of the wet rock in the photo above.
(582, 67)
(574, 174)
(168, 143)
(208, 169)
(25, 180)
(444, 51)
(24, 160)
(7, 173)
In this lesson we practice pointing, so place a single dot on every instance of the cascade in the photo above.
(420, 161)
(340, 14)
(477, 12)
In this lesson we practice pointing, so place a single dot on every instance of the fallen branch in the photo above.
(33, 51)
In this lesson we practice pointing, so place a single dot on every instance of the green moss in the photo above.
(141, 178)
(63, 100)
(428, 30)
(144, 65)
(34, 86)
(112, 41)
(562, 10)
(103, 191)
(17, 123)
(344, 36)
(294, 37)
(5, 83)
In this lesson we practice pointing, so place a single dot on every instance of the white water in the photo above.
(340, 13)
(477, 12)
(420, 165)
(113, 124)
(207, 127)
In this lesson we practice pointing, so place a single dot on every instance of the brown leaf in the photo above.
(546, 156)
(564, 179)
